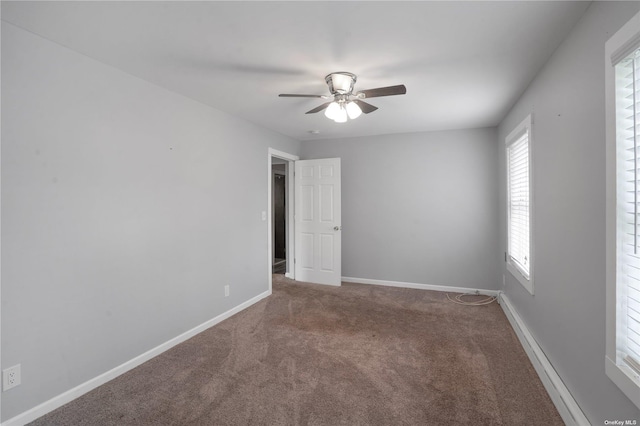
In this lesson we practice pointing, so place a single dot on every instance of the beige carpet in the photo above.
(318, 355)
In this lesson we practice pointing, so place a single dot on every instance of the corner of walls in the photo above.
(403, 220)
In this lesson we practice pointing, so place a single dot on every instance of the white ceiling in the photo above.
(463, 63)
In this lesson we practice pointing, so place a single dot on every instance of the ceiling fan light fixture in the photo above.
(353, 110)
(332, 110)
(341, 115)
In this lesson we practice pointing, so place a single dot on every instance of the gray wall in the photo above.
(567, 313)
(418, 207)
(125, 210)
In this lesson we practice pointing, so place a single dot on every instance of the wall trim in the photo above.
(560, 395)
(432, 287)
(68, 396)
(566, 405)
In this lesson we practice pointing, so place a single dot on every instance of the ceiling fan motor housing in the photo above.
(341, 83)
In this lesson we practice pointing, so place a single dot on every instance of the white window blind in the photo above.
(627, 84)
(519, 203)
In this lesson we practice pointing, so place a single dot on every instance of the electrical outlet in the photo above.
(226, 290)
(11, 377)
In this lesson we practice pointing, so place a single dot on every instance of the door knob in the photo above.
(337, 228)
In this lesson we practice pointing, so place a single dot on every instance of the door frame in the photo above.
(290, 189)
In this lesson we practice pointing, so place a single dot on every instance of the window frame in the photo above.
(523, 128)
(620, 45)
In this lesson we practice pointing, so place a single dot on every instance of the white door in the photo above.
(318, 241)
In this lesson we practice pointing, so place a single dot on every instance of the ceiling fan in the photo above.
(346, 103)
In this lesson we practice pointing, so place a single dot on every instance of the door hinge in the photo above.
(505, 256)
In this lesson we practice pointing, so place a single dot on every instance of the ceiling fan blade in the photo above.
(318, 109)
(289, 95)
(365, 107)
(384, 91)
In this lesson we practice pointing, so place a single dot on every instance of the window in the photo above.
(628, 194)
(623, 209)
(519, 204)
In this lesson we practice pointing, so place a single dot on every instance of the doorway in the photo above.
(280, 164)
(314, 237)
(279, 215)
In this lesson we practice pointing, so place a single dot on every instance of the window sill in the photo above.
(527, 283)
(625, 378)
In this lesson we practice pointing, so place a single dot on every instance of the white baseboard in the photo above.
(560, 395)
(68, 396)
(563, 400)
(432, 287)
